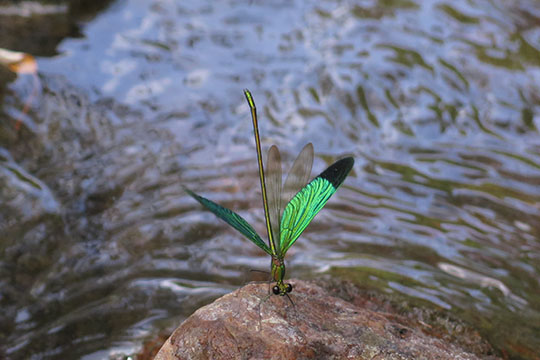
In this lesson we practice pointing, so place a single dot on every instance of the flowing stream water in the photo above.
(438, 101)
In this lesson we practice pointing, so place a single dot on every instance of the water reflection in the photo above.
(438, 103)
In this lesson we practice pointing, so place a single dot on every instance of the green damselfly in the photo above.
(304, 200)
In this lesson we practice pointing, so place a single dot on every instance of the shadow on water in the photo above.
(438, 102)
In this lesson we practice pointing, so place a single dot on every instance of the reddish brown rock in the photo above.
(319, 326)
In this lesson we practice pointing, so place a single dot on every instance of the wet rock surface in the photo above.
(241, 325)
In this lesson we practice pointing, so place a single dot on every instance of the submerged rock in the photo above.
(250, 324)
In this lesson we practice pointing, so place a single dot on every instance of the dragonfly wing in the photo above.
(273, 177)
(299, 174)
(310, 200)
(233, 219)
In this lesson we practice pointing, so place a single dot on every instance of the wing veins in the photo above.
(305, 205)
(233, 219)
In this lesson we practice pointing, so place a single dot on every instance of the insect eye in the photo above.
(275, 290)
(289, 288)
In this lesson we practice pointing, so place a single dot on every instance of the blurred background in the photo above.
(438, 101)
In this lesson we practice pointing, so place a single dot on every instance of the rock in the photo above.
(241, 325)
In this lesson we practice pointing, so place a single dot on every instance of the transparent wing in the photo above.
(274, 183)
(310, 200)
(299, 174)
(233, 219)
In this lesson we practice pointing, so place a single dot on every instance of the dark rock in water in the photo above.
(318, 326)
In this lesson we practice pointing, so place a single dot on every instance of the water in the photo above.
(438, 102)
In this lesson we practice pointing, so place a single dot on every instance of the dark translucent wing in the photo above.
(298, 175)
(273, 184)
(233, 219)
(310, 200)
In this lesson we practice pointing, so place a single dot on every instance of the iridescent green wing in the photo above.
(310, 200)
(233, 219)
(273, 177)
(298, 175)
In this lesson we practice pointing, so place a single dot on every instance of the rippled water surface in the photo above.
(438, 102)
